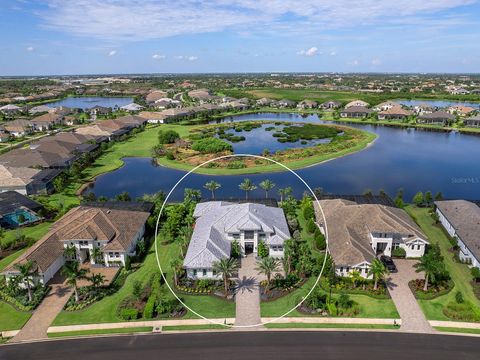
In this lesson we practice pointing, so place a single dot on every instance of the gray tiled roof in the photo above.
(464, 216)
(216, 218)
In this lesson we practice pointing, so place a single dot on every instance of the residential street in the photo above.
(253, 345)
(413, 319)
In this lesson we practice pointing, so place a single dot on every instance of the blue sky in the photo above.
(143, 36)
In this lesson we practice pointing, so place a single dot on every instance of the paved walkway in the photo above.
(36, 327)
(413, 319)
(247, 296)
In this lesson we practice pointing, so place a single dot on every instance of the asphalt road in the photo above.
(253, 345)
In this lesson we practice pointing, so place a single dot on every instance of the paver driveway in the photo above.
(36, 327)
(247, 295)
(413, 319)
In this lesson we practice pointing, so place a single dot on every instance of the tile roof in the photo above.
(217, 218)
(350, 225)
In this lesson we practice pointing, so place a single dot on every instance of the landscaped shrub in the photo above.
(320, 241)
(169, 306)
(235, 251)
(149, 309)
(399, 252)
(211, 146)
(311, 226)
(308, 212)
(129, 314)
(167, 137)
(462, 312)
(262, 249)
(459, 297)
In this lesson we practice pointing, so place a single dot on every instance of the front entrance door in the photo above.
(248, 248)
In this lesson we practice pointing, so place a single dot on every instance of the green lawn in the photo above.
(132, 330)
(35, 232)
(193, 327)
(460, 273)
(10, 258)
(369, 307)
(12, 319)
(329, 326)
(104, 310)
(458, 330)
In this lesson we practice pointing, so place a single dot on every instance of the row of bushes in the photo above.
(433, 291)
(20, 299)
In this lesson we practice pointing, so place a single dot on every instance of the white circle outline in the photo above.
(257, 157)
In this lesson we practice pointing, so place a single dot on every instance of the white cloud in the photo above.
(186, 57)
(309, 52)
(192, 58)
(112, 53)
(354, 62)
(30, 48)
(152, 19)
(333, 53)
(158, 56)
(376, 62)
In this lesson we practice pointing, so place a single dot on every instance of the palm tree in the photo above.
(247, 185)
(267, 185)
(284, 192)
(70, 252)
(97, 254)
(185, 233)
(212, 186)
(429, 265)
(73, 272)
(267, 266)
(355, 277)
(27, 270)
(176, 265)
(226, 268)
(97, 280)
(378, 271)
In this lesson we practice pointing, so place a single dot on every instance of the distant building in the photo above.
(472, 122)
(357, 103)
(132, 107)
(355, 112)
(436, 118)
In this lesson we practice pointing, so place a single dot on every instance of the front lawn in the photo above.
(131, 330)
(329, 326)
(105, 310)
(11, 318)
(460, 273)
(369, 307)
(194, 327)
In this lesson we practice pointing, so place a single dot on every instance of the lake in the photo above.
(438, 103)
(87, 102)
(412, 159)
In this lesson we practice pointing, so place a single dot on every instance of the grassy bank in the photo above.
(460, 273)
(132, 330)
(458, 330)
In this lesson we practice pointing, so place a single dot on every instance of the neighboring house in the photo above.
(461, 110)
(176, 113)
(355, 112)
(10, 109)
(423, 109)
(27, 181)
(35, 158)
(18, 210)
(19, 127)
(394, 113)
(461, 219)
(99, 110)
(131, 121)
(386, 106)
(219, 223)
(39, 109)
(436, 118)
(95, 131)
(4, 135)
(357, 234)
(264, 102)
(472, 122)
(331, 105)
(200, 94)
(47, 121)
(153, 117)
(357, 103)
(307, 104)
(155, 95)
(236, 105)
(115, 232)
(64, 110)
(132, 107)
(285, 103)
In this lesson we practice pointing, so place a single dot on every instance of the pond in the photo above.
(259, 139)
(438, 103)
(87, 102)
(412, 159)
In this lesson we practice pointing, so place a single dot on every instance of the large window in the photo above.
(249, 235)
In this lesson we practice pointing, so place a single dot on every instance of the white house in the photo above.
(357, 234)
(114, 232)
(219, 223)
(461, 219)
(132, 107)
